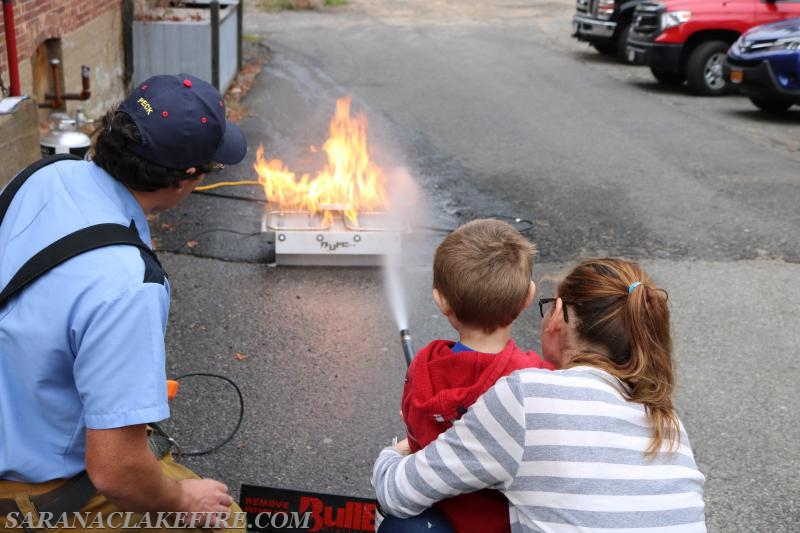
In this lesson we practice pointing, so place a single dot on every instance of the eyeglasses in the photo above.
(211, 168)
(544, 301)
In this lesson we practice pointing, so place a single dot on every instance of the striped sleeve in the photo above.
(482, 450)
(585, 464)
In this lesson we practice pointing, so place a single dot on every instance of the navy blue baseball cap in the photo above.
(181, 119)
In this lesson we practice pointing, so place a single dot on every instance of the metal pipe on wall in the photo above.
(11, 48)
(58, 101)
(56, 98)
(239, 22)
(215, 43)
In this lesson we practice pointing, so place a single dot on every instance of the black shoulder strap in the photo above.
(22, 176)
(67, 247)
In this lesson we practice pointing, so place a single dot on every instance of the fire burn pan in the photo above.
(311, 239)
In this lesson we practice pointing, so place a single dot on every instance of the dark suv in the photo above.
(764, 64)
(604, 24)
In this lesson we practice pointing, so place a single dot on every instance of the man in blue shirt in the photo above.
(82, 359)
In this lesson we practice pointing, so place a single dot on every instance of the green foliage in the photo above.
(274, 5)
(280, 5)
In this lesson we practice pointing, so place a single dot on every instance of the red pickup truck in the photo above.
(686, 40)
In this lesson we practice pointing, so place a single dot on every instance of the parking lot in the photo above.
(493, 109)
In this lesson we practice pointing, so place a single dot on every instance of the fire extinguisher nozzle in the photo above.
(405, 342)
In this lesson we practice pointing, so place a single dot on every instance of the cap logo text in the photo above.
(145, 105)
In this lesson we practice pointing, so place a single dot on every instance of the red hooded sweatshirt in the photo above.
(440, 386)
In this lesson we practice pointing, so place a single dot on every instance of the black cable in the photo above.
(434, 228)
(527, 225)
(522, 225)
(231, 197)
(194, 453)
(175, 250)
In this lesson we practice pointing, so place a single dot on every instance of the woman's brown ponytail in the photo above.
(617, 307)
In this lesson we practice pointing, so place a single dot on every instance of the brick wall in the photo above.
(89, 32)
(38, 20)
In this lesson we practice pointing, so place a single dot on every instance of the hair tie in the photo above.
(633, 286)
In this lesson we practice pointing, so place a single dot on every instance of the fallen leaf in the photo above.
(166, 226)
(192, 244)
(239, 357)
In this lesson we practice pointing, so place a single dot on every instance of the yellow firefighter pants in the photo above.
(98, 511)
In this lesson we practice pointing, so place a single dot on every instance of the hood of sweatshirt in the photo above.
(441, 385)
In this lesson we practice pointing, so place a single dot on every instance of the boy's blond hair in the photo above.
(484, 271)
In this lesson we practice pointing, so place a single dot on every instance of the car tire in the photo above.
(704, 69)
(622, 42)
(771, 106)
(667, 77)
(606, 48)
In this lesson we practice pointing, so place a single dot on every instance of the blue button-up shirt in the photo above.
(82, 346)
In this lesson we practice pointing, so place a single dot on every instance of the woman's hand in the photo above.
(403, 448)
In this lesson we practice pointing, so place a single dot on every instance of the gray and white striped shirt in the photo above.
(567, 450)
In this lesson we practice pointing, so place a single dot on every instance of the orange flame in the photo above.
(350, 181)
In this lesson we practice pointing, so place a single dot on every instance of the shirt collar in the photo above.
(122, 197)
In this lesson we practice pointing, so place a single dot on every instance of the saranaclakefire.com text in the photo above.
(129, 520)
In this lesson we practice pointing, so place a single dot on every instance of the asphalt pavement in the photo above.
(487, 107)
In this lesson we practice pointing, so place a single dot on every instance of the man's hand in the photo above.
(205, 501)
(122, 467)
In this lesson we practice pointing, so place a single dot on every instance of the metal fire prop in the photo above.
(338, 217)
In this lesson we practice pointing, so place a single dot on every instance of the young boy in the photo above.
(482, 280)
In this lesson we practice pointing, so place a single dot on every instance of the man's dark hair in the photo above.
(111, 153)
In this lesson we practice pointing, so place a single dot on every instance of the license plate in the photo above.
(737, 76)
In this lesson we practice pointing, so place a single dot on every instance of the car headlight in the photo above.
(738, 45)
(745, 44)
(605, 8)
(671, 19)
(792, 44)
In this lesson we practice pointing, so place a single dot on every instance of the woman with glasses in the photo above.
(596, 445)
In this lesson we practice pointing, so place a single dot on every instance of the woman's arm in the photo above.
(482, 450)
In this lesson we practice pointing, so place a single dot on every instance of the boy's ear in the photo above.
(531, 294)
(441, 302)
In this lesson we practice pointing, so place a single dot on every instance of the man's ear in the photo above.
(531, 294)
(191, 177)
(441, 302)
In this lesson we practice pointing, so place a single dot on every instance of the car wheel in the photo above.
(607, 49)
(771, 106)
(622, 41)
(704, 69)
(668, 77)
